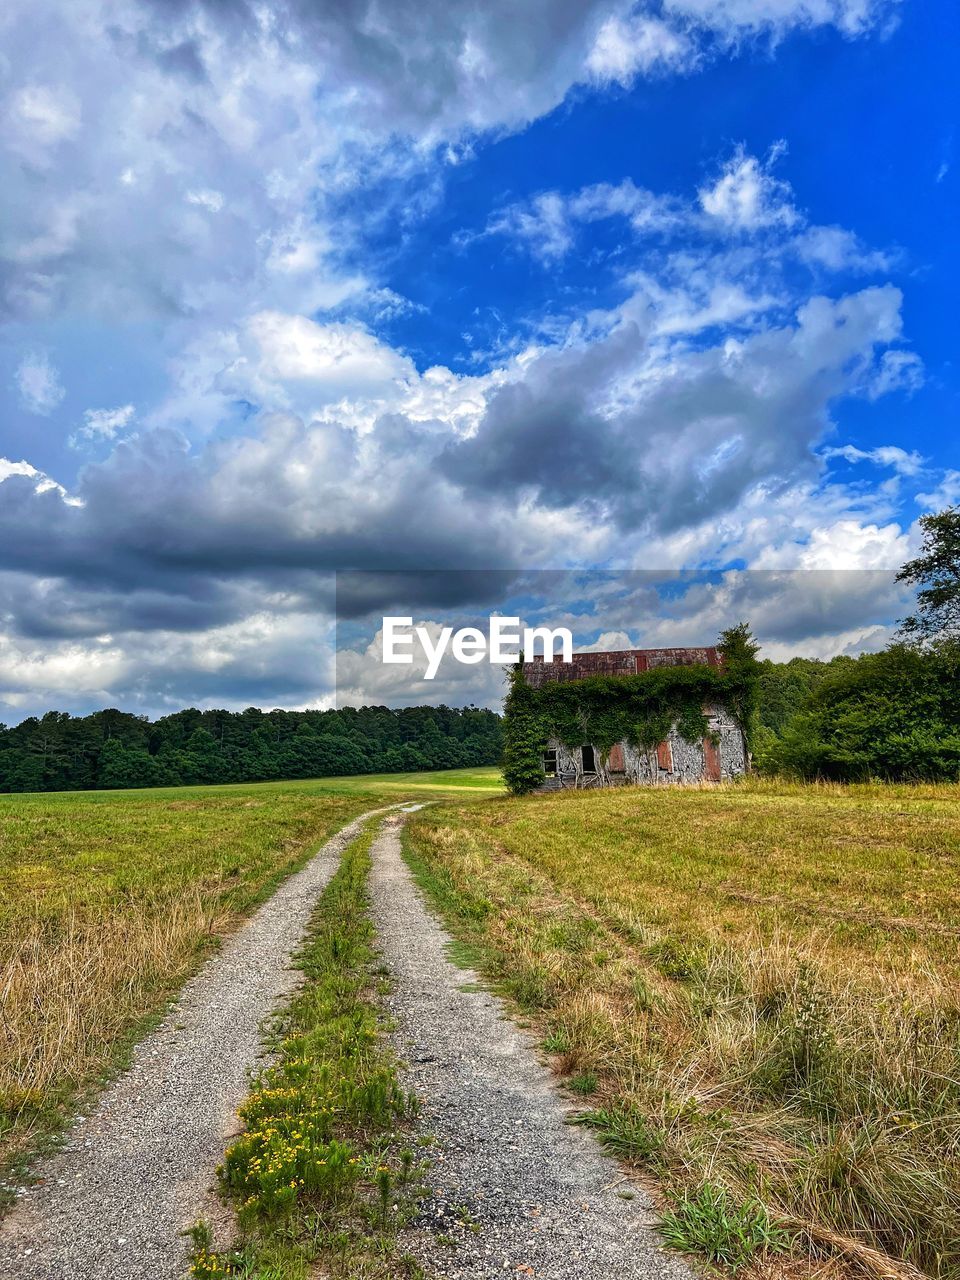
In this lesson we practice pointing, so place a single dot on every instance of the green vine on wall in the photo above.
(639, 709)
(524, 736)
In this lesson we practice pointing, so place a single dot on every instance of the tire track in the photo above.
(519, 1190)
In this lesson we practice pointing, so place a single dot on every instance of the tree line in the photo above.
(893, 715)
(111, 748)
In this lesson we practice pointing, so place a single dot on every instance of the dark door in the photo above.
(589, 759)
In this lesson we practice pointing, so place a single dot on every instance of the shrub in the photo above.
(893, 715)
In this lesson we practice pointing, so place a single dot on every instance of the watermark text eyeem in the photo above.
(503, 642)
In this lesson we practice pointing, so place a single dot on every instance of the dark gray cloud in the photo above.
(366, 593)
(663, 439)
(64, 608)
(547, 435)
(157, 535)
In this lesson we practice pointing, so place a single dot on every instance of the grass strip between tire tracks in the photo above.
(325, 1172)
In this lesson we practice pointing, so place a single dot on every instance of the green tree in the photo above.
(122, 766)
(738, 649)
(936, 571)
(523, 738)
(20, 772)
(786, 686)
(201, 761)
(893, 715)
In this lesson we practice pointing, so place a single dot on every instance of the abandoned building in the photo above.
(721, 755)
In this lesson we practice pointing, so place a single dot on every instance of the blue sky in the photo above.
(298, 288)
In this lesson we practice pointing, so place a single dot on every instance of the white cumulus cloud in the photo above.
(103, 424)
(747, 196)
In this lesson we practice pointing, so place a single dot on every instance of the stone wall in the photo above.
(675, 760)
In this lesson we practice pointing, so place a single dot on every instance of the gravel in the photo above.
(515, 1187)
(138, 1170)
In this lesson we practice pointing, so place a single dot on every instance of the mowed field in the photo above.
(108, 900)
(754, 989)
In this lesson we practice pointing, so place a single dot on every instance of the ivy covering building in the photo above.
(633, 716)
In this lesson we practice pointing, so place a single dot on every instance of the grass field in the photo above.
(109, 899)
(754, 989)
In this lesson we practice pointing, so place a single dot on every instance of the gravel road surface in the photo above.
(542, 1197)
(138, 1169)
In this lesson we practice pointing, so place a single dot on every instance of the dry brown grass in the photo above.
(73, 986)
(764, 980)
(107, 902)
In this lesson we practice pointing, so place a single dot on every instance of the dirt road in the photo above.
(515, 1188)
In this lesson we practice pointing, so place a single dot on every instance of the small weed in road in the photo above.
(624, 1132)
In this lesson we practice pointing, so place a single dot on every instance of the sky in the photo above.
(587, 288)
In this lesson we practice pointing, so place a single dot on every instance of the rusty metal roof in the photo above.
(626, 662)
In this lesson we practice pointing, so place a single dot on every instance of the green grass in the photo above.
(110, 899)
(710, 1222)
(870, 873)
(447, 783)
(324, 1174)
(762, 980)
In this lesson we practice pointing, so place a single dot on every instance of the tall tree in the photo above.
(936, 571)
(739, 652)
(523, 737)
